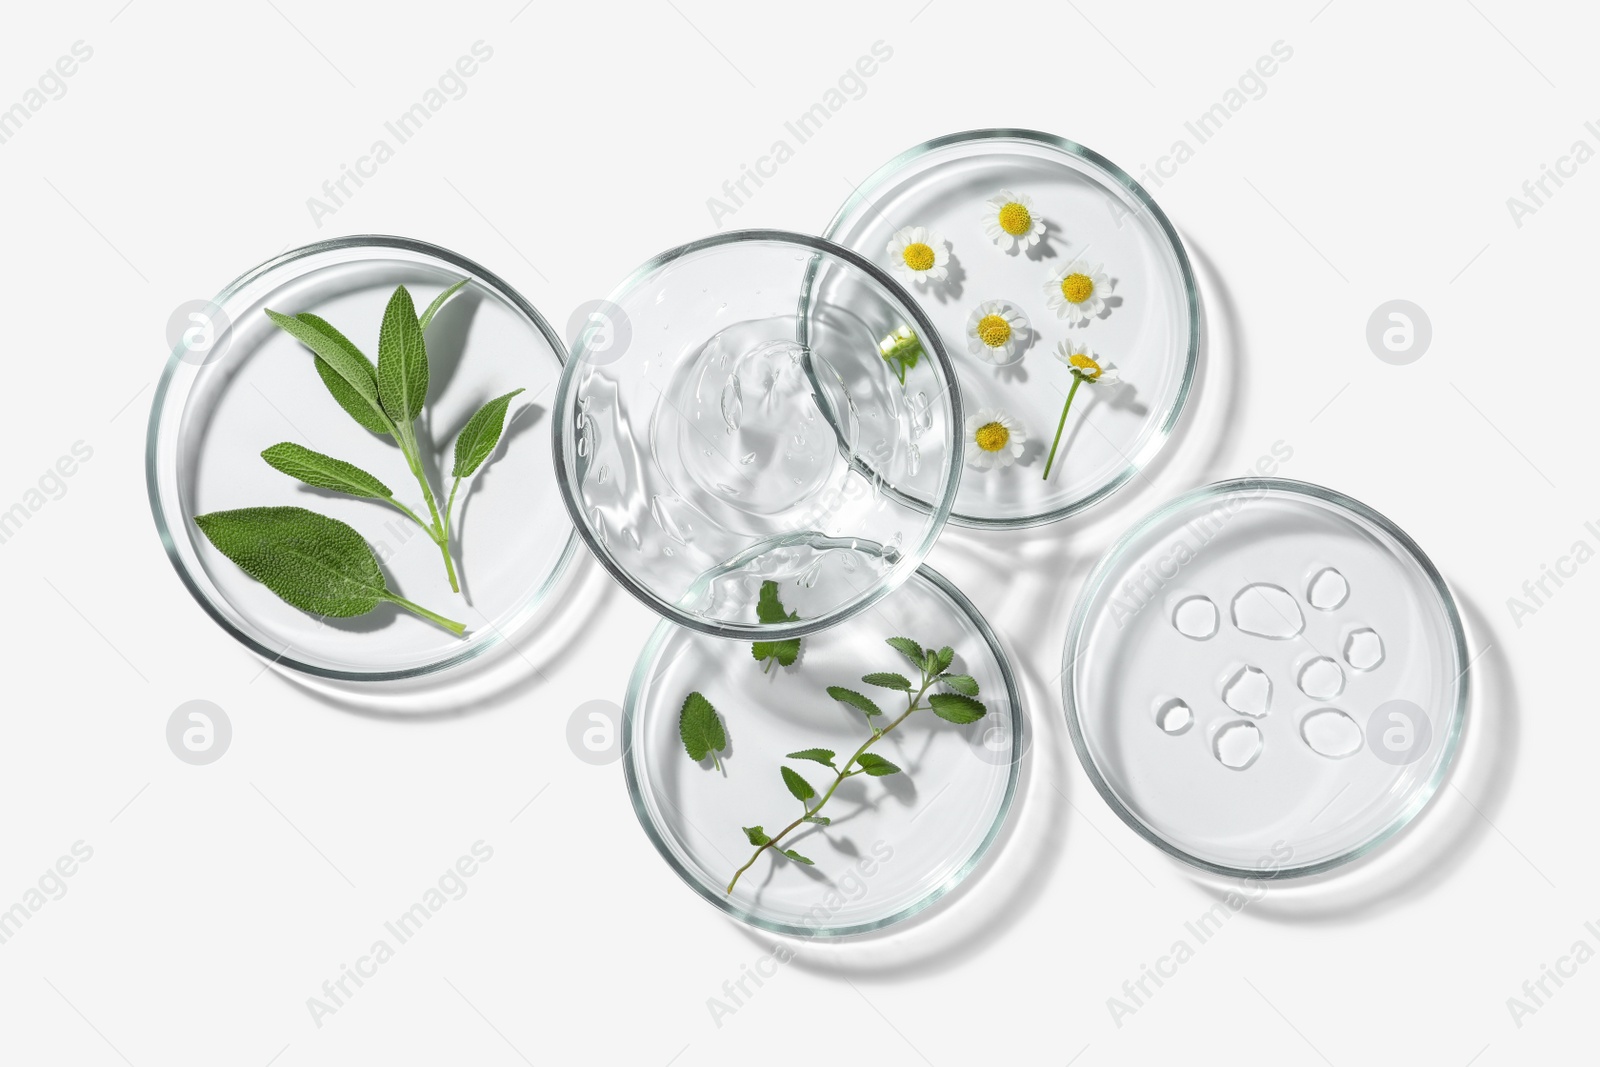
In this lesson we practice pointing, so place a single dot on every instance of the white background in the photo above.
(1377, 165)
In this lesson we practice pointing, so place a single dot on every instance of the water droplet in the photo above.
(913, 460)
(597, 521)
(1327, 590)
(808, 577)
(632, 537)
(1267, 610)
(661, 512)
(1249, 692)
(1321, 679)
(732, 402)
(748, 458)
(666, 550)
(1237, 745)
(600, 475)
(726, 488)
(1174, 717)
(799, 440)
(1363, 649)
(1330, 732)
(1196, 617)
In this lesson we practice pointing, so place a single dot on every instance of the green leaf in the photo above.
(957, 708)
(784, 652)
(946, 656)
(402, 360)
(817, 755)
(792, 854)
(701, 729)
(757, 835)
(820, 820)
(854, 699)
(769, 612)
(482, 432)
(324, 472)
(876, 765)
(797, 785)
(769, 608)
(887, 680)
(909, 649)
(346, 372)
(965, 684)
(438, 302)
(317, 564)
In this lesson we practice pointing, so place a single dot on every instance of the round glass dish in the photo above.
(1266, 678)
(238, 384)
(1082, 210)
(734, 422)
(879, 861)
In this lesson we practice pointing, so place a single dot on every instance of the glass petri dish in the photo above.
(237, 384)
(880, 861)
(1091, 211)
(1266, 678)
(733, 422)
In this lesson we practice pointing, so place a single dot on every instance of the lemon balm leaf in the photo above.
(700, 729)
(956, 708)
(855, 700)
(438, 302)
(478, 438)
(965, 684)
(402, 360)
(769, 612)
(792, 854)
(348, 374)
(816, 755)
(797, 785)
(876, 765)
(909, 649)
(324, 472)
(888, 680)
(756, 835)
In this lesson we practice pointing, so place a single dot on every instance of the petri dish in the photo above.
(1266, 678)
(728, 419)
(897, 843)
(1088, 212)
(236, 384)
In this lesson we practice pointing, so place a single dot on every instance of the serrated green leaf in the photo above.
(769, 608)
(757, 835)
(317, 564)
(854, 699)
(324, 472)
(957, 708)
(945, 657)
(797, 785)
(700, 729)
(820, 820)
(792, 854)
(816, 755)
(909, 649)
(964, 684)
(769, 612)
(347, 373)
(784, 652)
(876, 765)
(477, 438)
(402, 360)
(438, 302)
(888, 680)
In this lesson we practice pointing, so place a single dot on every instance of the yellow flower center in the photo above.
(1077, 287)
(1015, 219)
(918, 256)
(992, 436)
(1085, 366)
(994, 330)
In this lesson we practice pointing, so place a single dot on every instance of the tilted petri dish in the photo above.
(237, 384)
(896, 843)
(1081, 214)
(1266, 678)
(728, 419)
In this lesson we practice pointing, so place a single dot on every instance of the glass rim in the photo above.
(630, 709)
(1152, 447)
(1217, 490)
(497, 634)
(804, 627)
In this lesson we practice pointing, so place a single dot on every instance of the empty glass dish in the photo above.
(734, 420)
(238, 384)
(1038, 243)
(1266, 677)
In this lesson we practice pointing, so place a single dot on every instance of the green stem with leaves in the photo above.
(1077, 380)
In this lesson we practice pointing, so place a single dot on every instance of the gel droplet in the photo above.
(1321, 679)
(1327, 590)
(1249, 692)
(1237, 745)
(732, 402)
(1174, 717)
(1195, 617)
(1330, 732)
(1267, 610)
(1363, 649)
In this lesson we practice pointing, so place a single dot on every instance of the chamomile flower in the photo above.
(901, 349)
(997, 331)
(1011, 222)
(1077, 292)
(919, 253)
(994, 439)
(1086, 365)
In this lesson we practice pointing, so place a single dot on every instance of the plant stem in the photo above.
(913, 703)
(1077, 380)
(437, 531)
(450, 506)
(454, 627)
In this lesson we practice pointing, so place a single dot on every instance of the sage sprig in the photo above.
(956, 702)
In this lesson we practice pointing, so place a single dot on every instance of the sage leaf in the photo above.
(855, 700)
(479, 436)
(317, 564)
(324, 472)
(701, 730)
(797, 785)
(876, 765)
(402, 360)
(347, 373)
(888, 680)
(438, 302)
(957, 708)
